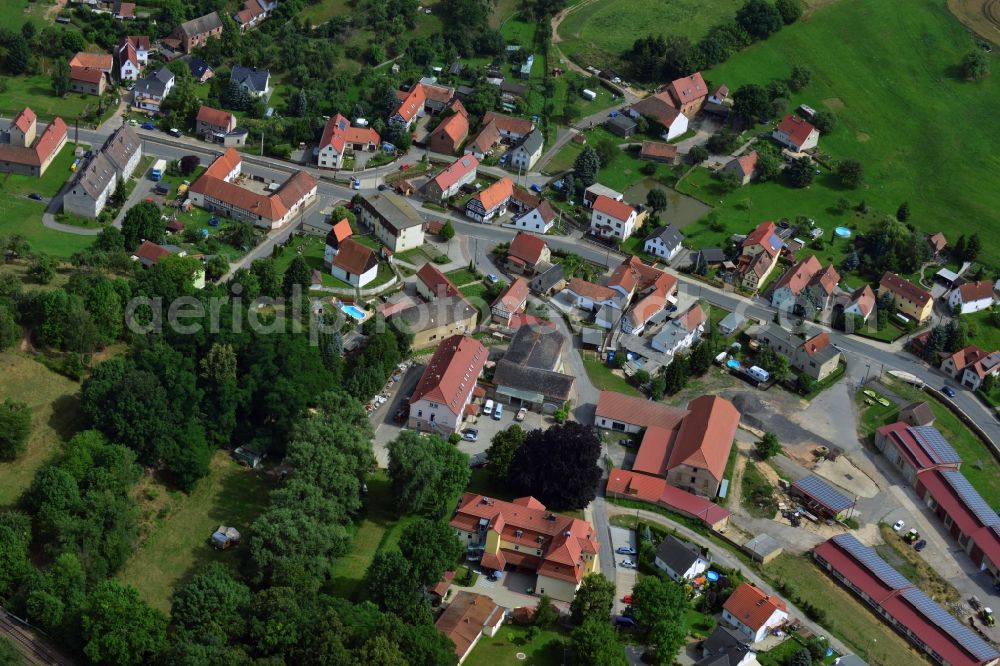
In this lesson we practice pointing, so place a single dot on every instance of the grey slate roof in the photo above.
(668, 235)
(440, 312)
(723, 647)
(712, 255)
(198, 67)
(550, 384)
(622, 123)
(677, 554)
(536, 347)
(531, 143)
(202, 24)
(547, 278)
(395, 210)
(250, 77)
(94, 177)
(121, 146)
(154, 85)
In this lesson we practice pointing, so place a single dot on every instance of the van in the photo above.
(488, 407)
(498, 412)
(174, 132)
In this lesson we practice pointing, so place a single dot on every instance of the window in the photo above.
(420, 413)
(692, 478)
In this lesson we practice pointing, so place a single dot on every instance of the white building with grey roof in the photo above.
(96, 181)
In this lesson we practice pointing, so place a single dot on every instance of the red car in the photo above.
(405, 167)
(627, 598)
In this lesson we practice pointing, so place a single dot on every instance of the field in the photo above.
(178, 527)
(846, 617)
(36, 92)
(598, 31)
(895, 92)
(547, 648)
(54, 403)
(21, 215)
(18, 12)
(981, 16)
(982, 331)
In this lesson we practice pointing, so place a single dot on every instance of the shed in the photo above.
(946, 277)
(225, 537)
(763, 548)
(917, 414)
(821, 498)
(592, 337)
(731, 323)
(621, 125)
(249, 456)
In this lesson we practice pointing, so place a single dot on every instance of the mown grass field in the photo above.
(922, 134)
(54, 402)
(548, 647)
(177, 527)
(36, 92)
(21, 215)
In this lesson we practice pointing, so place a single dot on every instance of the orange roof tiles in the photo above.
(688, 88)
(437, 282)
(526, 247)
(215, 117)
(212, 183)
(594, 292)
(798, 130)
(655, 490)
(637, 411)
(513, 297)
(335, 133)
(411, 102)
(658, 150)
(86, 74)
(151, 252)
(496, 194)
(362, 135)
(864, 298)
(37, 154)
(976, 291)
(455, 171)
(102, 61)
(618, 210)
(706, 435)
(661, 107)
(339, 232)
(24, 119)
(799, 275)
(354, 257)
(451, 374)
(748, 162)
(508, 123)
(654, 450)
(465, 618)
(752, 606)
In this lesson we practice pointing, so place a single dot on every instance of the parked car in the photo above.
(470, 434)
(898, 525)
(174, 132)
(355, 184)
(948, 391)
(920, 545)
(625, 550)
(148, 126)
(627, 564)
(497, 412)
(492, 279)
(521, 413)
(35, 196)
(381, 187)
(405, 166)
(488, 407)
(624, 621)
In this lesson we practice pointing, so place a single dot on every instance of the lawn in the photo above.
(461, 277)
(605, 380)
(179, 526)
(36, 92)
(982, 331)
(597, 33)
(313, 248)
(890, 89)
(23, 216)
(758, 493)
(18, 12)
(547, 648)
(54, 403)
(564, 159)
(846, 617)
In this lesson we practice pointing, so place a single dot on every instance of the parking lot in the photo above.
(487, 426)
(624, 577)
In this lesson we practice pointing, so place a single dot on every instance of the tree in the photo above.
(903, 212)
(110, 240)
(790, 10)
(60, 77)
(10, 331)
(119, 628)
(807, 384)
(18, 54)
(606, 150)
(800, 173)
(594, 600)
(296, 275)
(586, 166)
(14, 562)
(851, 174)
(427, 473)
(668, 637)
(768, 167)
(546, 613)
(722, 143)
(42, 269)
(558, 466)
(675, 376)
(768, 446)
(800, 78)
(502, 449)
(656, 199)
(431, 548)
(975, 65)
(15, 426)
(751, 102)
(697, 154)
(267, 277)
(973, 247)
(759, 18)
(824, 121)
(211, 602)
(216, 267)
(655, 600)
(801, 657)
(658, 387)
(701, 358)
(142, 222)
(729, 181)
(188, 164)
(595, 644)
(392, 587)
(447, 231)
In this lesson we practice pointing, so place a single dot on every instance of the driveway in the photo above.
(386, 429)
(624, 578)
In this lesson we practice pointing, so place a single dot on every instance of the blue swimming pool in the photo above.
(842, 232)
(733, 363)
(354, 311)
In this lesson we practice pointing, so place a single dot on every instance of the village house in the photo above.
(654, 151)
(255, 82)
(123, 11)
(89, 72)
(744, 166)
(26, 152)
(859, 303)
(539, 220)
(524, 536)
(395, 222)
(211, 123)
(509, 127)
(907, 298)
(634, 486)
(596, 190)
(485, 140)
(526, 253)
(813, 355)
(665, 243)
(673, 106)
(971, 365)
(150, 91)
(589, 296)
(217, 190)
(490, 202)
(354, 263)
(530, 374)
(612, 219)
(689, 93)
(437, 319)
(95, 182)
(758, 256)
(448, 183)
(917, 414)
(149, 254)
(681, 332)
(411, 106)
(443, 396)
(526, 152)
(806, 286)
(972, 297)
(726, 647)
(132, 54)
(510, 302)
(432, 284)
(194, 33)
(254, 13)
(448, 136)
(796, 134)
(630, 414)
(467, 618)
(200, 70)
(680, 560)
(548, 280)
(340, 139)
(753, 612)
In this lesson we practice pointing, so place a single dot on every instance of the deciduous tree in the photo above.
(431, 547)
(119, 628)
(427, 473)
(558, 466)
(502, 449)
(594, 643)
(759, 18)
(790, 10)
(594, 599)
(768, 446)
(142, 222)
(800, 173)
(851, 174)
(15, 426)
(975, 65)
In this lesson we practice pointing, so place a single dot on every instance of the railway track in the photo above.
(35, 653)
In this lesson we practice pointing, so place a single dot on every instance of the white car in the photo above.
(521, 413)
(898, 525)
(625, 550)
(627, 564)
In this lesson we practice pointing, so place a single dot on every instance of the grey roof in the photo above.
(547, 278)
(536, 347)
(592, 336)
(712, 255)
(723, 647)
(154, 85)
(919, 411)
(94, 177)
(515, 89)
(440, 312)
(821, 491)
(871, 561)
(668, 235)
(610, 312)
(935, 445)
(850, 660)
(622, 122)
(456, 68)
(597, 189)
(762, 545)
(970, 497)
(550, 384)
(532, 143)
(395, 210)
(676, 554)
(198, 67)
(121, 146)
(251, 77)
(732, 321)
(949, 625)
(200, 25)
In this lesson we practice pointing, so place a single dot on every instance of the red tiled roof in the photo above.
(527, 247)
(335, 133)
(354, 257)
(451, 374)
(865, 299)
(437, 282)
(753, 607)
(827, 279)
(648, 306)
(748, 162)
(103, 61)
(937, 242)
(508, 123)
(798, 276)
(215, 117)
(411, 102)
(692, 319)
(496, 194)
(976, 291)
(86, 74)
(656, 491)
(798, 130)
(657, 149)
(761, 235)
(654, 450)
(150, 251)
(618, 210)
(904, 288)
(126, 9)
(455, 171)
(706, 435)
(487, 137)
(339, 232)
(688, 88)
(514, 296)
(660, 107)
(633, 274)
(223, 165)
(968, 356)
(36, 155)
(24, 119)
(465, 618)
(456, 127)
(816, 343)
(637, 411)
(594, 292)
(269, 207)
(362, 135)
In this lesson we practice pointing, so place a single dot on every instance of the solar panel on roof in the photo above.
(972, 499)
(870, 560)
(823, 493)
(937, 447)
(949, 625)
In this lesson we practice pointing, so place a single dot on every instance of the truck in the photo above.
(159, 168)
